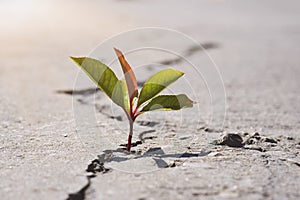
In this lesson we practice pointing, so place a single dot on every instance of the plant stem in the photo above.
(129, 135)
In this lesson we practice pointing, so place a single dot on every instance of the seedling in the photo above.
(125, 93)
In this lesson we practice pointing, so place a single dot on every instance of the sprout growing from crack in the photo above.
(125, 93)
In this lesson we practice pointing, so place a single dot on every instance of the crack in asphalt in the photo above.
(97, 166)
(94, 168)
(80, 195)
(190, 51)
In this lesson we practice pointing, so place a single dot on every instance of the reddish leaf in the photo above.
(129, 75)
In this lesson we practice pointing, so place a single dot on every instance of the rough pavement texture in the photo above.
(254, 44)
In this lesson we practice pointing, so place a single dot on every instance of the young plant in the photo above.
(125, 93)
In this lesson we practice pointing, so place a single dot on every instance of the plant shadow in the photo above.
(157, 154)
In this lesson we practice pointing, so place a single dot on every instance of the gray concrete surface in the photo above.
(44, 152)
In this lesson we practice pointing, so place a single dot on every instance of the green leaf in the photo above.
(159, 81)
(104, 78)
(120, 95)
(168, 102)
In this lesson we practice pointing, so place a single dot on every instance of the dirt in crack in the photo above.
(95, 167)
(81, 193)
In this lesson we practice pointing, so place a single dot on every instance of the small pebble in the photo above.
(231, 140)
(290, 138)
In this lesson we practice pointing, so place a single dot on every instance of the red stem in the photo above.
(129, 143)
(129, 135)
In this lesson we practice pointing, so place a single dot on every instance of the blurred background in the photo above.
(255, 46)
